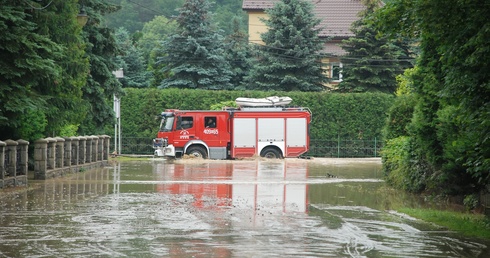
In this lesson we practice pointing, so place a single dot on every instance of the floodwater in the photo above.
(196, 208)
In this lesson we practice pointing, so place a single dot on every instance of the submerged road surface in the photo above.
(196, 208)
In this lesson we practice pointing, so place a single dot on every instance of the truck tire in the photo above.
(271, 153)
(197, 151)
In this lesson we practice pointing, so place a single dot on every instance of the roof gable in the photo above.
(337, 15)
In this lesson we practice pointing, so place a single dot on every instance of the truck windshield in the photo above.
(167, 123)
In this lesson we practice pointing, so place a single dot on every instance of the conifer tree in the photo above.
(291, 58)
(195, 55)
(238, 53)
(27, 59)
(101, 83)
(373, 61)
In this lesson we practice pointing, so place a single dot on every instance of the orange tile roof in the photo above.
(336, 15)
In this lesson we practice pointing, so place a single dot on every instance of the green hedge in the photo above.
(335, 115)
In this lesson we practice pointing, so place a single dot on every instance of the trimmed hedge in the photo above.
(335, 115)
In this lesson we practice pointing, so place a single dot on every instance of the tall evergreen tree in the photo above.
(373, 61)
(43, 67)
(291, 58)
(101, 83)
(27, 60)
(238, 53)
(195, 55)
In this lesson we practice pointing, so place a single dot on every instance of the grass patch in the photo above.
(469, 224)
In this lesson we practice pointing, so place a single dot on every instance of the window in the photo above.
(186, 122)
(336, 72)
(210, 122)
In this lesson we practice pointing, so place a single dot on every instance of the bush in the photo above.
(348, 116)
(399, 168)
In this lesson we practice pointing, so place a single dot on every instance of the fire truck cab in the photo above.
(271, 132)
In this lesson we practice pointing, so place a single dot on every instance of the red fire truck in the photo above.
(268, 131)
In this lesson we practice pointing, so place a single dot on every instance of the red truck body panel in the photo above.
(235, 133)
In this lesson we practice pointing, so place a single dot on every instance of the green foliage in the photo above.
(195, 56)
(471, 201)
(131, 60)
(372, 61)
(351, 116)
(450, 127)
(133, 15)
(69, 130)
(405, 82)
(57, 21)
(399, 168)
(290, 59)
(238, 53)
(101, 83)
(399, 117)
(34, 124)
(154, 32)
(223, 104)
(43, 66)
(477, 225)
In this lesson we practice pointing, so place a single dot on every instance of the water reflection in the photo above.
(220, 209)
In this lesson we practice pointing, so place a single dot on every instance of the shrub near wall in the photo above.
(335, 115)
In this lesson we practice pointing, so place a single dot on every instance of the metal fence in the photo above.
(344, 148)
(339, 148)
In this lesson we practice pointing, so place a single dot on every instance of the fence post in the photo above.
(24, 157)
(107, 146)
(67, 148)
(11, 166)
(75, 156)
(338, 146)
(81, 152)
(40, 158)
(375, 147)
(95, 147)
(51, 153)
(60, 152)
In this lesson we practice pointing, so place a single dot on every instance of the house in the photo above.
(336, 18)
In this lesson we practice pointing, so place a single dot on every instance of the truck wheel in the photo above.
(197, 151)
(271, 153)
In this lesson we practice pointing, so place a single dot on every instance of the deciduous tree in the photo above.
(450, 129)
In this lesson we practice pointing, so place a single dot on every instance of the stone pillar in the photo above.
(82, 151)
(40, 158)
(100, 148)
(67, 148)
(75, 149)
(95, 147)
(60, 152)
(88, 149)
(24, 157)
(51, 153)
(106, 148)
(11, 158)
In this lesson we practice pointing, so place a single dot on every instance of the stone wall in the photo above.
(13, 163)
(54, 157)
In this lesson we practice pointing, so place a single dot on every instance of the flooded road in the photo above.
(193, 208)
